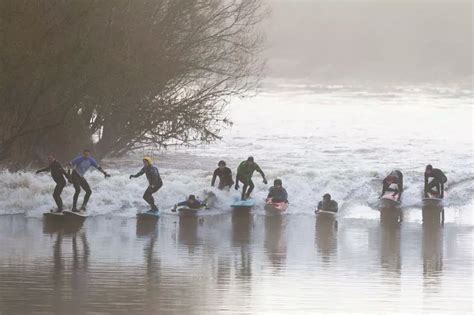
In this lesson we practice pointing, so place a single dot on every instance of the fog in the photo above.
(385, 41)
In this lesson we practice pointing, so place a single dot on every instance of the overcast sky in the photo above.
(347, 40)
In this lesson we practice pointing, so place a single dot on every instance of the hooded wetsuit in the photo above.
(278, 194)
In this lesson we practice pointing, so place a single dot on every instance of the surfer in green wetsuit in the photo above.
(244, 175)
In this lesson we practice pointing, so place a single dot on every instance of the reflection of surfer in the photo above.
(394, 178)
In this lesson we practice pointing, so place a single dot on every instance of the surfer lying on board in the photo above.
(244, 175)
(57, 173)
(80, 166)
(154, 181)
(277, 193)
(438, 181)
(192, 203)
(395, 177)
(225, 176)
(327, 204)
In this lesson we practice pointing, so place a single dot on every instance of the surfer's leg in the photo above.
(148, 197)
(244, 188)
(57, 194)
(87, 189)
(251, 187)
(77, 189)
(429, 188)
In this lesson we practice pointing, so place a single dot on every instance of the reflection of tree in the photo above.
(275, 240)
(326, 236)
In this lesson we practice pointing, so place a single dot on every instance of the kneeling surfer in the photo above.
(81, 165)
(192, 203)
(244, 175)
(438, 181)
(57, 173)
(327, 204)
(395, 177)
(277, 193)
(154, 181)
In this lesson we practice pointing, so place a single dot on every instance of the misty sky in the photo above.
(356, 40)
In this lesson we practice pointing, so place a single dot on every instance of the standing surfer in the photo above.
(244, 175)
(57, 173)
(81, 165)
(154, 181)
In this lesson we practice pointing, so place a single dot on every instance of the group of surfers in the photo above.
(78, 167)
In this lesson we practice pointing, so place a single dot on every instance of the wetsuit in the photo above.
(58, 173)
(80, 166)
(244, 175)
(225, 178)
(154, 181)
(196, 204)
(438, 181)
(330, 205)
(278, 194)
(398, 180)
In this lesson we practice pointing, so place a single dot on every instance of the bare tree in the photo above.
(125, 74)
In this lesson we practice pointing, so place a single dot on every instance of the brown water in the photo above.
(235, 263)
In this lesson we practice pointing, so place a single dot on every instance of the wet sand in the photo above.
(236, 262)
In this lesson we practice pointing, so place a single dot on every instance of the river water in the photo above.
(317, 139)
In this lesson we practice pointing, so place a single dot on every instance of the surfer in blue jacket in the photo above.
(154, 181)
(80, 165)
(192, 202)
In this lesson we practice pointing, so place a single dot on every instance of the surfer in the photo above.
(192, 202)
(225, 176)
(438, 181)
(58, 174)
(154, 181)
(327, 204)
(80, 166)
(244, 175)
(277, 193)
(395, 177)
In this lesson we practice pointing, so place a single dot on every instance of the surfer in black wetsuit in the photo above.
(154, 181)
(192, 202)
(225, 176)
(395, 177)
(59, 174)
(438, 181)
(327, 204)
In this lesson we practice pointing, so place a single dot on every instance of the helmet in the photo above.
(148, 159)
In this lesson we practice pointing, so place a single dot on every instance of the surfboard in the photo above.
(81, 215)
(276, 207)
(389, 200)
(187, 210)
(433, 200)
(326, 213)
(237, 204)
(148, 215)
(53, 215)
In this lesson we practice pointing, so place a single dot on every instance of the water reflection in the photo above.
(326, 236)
(275, 240)
(242, 223)
(432, 244)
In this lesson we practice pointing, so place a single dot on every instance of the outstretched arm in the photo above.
(214, 176)
(140, 173)
(263, 175)
(46, 169)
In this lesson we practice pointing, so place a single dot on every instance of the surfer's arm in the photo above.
(258, 169)
(214, 176)
(320, 205)
(334, 207)
(140, 173)
(384, 188)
